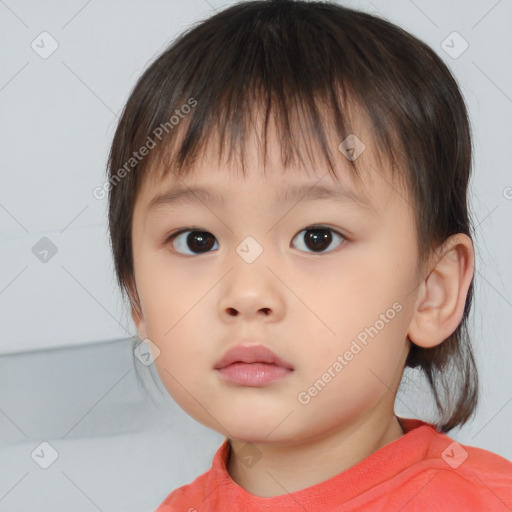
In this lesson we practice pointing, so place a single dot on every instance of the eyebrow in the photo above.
(296, 193)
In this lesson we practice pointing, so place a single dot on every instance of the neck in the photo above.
(286, 468)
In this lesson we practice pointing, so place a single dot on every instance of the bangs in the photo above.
(288, 71)
(303, 131)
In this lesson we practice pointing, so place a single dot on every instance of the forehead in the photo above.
(216, 175)
(218, 195)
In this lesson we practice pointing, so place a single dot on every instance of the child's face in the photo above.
(338, 310)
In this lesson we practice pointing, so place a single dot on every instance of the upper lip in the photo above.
(251, 354)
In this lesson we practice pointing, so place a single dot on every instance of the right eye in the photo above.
(198, 241)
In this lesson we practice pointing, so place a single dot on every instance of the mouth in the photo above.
(253, 374)
(252, 365)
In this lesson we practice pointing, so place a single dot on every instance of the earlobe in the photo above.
(136, 310)
(442, 295)
(139, 322)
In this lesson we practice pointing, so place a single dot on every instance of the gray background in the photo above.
(67, 373)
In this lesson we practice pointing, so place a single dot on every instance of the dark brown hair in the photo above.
(316, 59)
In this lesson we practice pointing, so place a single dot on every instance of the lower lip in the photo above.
(253, 374)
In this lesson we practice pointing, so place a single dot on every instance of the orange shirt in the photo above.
(423, 471)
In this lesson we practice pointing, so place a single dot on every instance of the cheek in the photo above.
(362, 318)
(352, 298)
(352, 376)
(173, 301)
(168, 291)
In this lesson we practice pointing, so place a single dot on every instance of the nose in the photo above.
(265, 312)
(252, 294)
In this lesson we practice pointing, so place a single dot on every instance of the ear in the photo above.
(442, 294)
(138, 320)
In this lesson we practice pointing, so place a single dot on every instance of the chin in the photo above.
(265, 430)
(248, 429)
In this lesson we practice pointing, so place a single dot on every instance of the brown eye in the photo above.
(197, 242)
(318, 238)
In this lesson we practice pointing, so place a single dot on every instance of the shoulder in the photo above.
(464, 478)
(437, 473)
(205, 488)
(481, 469)
(187, 498)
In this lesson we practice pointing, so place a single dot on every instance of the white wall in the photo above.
(57, 118)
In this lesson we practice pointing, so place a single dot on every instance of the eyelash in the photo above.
(175, 234)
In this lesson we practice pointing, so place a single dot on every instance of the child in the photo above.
(283, 302)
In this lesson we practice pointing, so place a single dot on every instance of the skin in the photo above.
(306, 306)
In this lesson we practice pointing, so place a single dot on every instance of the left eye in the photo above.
(318, 238)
